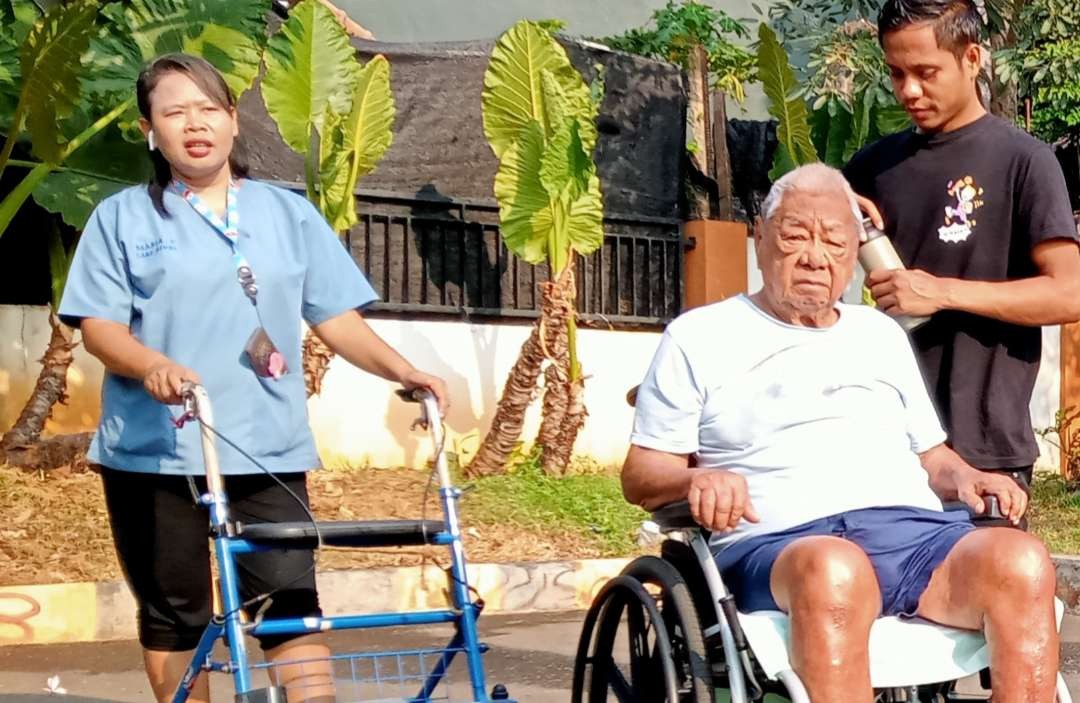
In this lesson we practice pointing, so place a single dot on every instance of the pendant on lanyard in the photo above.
(264, 357)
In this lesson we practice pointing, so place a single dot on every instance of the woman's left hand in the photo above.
(418, 379)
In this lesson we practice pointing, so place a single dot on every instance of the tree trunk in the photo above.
(520, 388)
(51, 387)
(698, 137)
(556, 457)
(573, 421)
(722, 158)
(557, 373)
(316, 361)
(510, 414)
(65, 450)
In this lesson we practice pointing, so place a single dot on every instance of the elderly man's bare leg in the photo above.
(1002, 581)
(828, 588)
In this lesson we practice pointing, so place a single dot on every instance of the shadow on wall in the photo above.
(457, 265)
(462, 418)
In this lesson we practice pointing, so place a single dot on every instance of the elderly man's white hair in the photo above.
(815, 177)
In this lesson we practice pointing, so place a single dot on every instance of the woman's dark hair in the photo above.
(957, 23)
(210, 82)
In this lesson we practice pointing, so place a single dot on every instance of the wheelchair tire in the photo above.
(680, 615)
(685, 648)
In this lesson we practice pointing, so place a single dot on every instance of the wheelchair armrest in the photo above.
(674, 516)
(992, 512)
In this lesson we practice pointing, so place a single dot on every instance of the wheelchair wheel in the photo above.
(664, 656)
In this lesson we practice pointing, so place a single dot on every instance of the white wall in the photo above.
(358, 421)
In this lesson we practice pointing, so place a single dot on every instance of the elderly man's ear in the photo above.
(758, 230)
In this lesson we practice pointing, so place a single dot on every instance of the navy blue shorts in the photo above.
(904, 544)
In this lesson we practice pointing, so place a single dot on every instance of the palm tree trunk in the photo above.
(51, 387)
(317, 358)
(574, 419)
(564, 408)
(510, 414)
(520, 388)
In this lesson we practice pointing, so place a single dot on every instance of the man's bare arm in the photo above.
(652, 478)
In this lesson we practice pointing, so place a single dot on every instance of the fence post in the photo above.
(714, 267)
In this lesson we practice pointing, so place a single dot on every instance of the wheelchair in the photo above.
(414, 675)
(667, 629)
(688, 643)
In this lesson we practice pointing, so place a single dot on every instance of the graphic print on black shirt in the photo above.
(972, 204)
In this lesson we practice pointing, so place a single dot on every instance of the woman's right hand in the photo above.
(165, 380)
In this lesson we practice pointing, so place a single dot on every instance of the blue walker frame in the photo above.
(463, 612)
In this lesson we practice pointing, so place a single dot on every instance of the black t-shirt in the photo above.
(972, 204)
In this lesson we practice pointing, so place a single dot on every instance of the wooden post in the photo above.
(715, 268)
(721, 157)
(697, 123)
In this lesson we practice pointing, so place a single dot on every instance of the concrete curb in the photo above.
(92, 612)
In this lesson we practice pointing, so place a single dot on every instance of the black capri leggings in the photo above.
(162, 541)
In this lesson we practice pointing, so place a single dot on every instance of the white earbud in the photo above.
(150, 143)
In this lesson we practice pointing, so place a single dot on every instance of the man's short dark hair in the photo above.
(956, 23)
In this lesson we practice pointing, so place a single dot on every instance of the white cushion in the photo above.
(903, 652)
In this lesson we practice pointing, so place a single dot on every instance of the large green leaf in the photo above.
(105, 164)
(334, 164)
(50, 67)
(861, 124)
(565, 168)
(365, 135)
(532, 221)
(75, 195)
(831, 126)
(584, 221)
(513, 95)
(20, 16)
(230, 35)
(9, 76)
(371, 120)
(780, 87)
(524, 205)
(309, 64)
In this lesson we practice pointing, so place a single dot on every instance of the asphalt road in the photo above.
(531, 654)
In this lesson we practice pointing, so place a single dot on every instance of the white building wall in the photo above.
(357, 419)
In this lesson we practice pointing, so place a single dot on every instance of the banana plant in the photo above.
(337, 113)
(66, 91)
(540, 121)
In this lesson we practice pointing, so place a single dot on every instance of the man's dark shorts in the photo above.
(904, 544)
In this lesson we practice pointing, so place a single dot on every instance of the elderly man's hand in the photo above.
(719, 499)
(972, 485)
(908, 292)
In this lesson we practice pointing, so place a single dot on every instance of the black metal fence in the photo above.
(445, 257)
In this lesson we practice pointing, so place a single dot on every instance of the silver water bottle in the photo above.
(877, 253)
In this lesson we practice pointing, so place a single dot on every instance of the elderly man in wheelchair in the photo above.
(801, 434)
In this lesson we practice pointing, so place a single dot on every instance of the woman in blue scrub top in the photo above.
(205, 276)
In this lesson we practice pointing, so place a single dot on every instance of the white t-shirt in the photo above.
(819, 421)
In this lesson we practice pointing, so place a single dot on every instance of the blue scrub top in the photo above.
(173, 281)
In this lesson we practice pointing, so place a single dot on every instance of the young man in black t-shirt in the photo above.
(979, 212)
